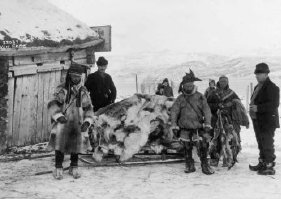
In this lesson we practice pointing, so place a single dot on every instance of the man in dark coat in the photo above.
(100, 85)
(264, 113)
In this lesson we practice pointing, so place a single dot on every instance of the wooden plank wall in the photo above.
(29, 94)
(30, 122)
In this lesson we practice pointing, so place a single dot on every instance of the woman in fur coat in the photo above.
(72, 114)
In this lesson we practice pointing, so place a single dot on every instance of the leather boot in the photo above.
(58, 173)
(73, 170)
(268, 169)
(206, 169)
(260, 166)
(189, 165)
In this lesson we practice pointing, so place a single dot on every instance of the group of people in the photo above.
(197, 119)
(206, 120)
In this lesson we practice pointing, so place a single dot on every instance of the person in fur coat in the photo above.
(191, 123)
(71, 115)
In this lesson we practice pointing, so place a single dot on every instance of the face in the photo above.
(212, 84)
(102, 68)
(75, 78)
(188, 87)
(165, 84)
(261, 77)
(223, 82)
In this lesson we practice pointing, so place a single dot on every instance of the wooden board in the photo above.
(17, 110)
(33, 92)
(46, 77)
(40, 104)
(43, 50)
(11, 83)
(24, 134)
(47, 58)
(24, 70)
(48, 67)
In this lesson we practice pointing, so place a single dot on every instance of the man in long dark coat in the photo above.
(100, 85)
(264, 113)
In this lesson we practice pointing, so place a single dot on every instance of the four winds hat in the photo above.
(190, 77)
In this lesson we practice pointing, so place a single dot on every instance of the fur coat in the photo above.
(75, 104)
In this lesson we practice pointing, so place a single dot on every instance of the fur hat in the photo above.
(165, 80)
(262, 68)
(212, 81)
(102, 61)
(76, 68)
(190, 77)
(223, 77)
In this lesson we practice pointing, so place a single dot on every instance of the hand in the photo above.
(85, 126)
(207, 127)
(62, 119)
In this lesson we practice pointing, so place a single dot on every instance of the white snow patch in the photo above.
(40, 19)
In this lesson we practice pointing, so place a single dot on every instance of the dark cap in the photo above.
(76, 68)
(262, 68)
(102, 61)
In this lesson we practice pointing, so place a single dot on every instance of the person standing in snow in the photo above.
(211, 88)
(168, 91)
(264, 113)
(100, 85)
(160, 90)
(71, 115)
(191, 122)
(224, 104)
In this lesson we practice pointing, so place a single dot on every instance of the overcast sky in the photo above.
(215, 26)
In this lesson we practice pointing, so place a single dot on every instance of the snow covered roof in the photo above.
(38, 23)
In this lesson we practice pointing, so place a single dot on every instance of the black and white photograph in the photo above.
(140, 99)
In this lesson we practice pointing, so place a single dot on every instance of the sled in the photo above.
(136, 160)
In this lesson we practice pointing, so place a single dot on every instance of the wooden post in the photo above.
(4, 70)
(251, 88)
(247, 98)
(137, 86)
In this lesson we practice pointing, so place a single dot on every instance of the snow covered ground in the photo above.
(17, 179)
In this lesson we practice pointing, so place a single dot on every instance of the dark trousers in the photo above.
(202, 145)
(265, 140)
(60, 157)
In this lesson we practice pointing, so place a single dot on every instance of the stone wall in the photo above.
(3, 102)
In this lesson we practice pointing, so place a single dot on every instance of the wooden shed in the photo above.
(32, 65)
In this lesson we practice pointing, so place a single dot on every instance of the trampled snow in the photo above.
(17, 179)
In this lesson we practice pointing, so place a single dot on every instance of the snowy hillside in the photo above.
(173, 65)
(38, 21)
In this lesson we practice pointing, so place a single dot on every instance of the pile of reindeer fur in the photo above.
(123, 128)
